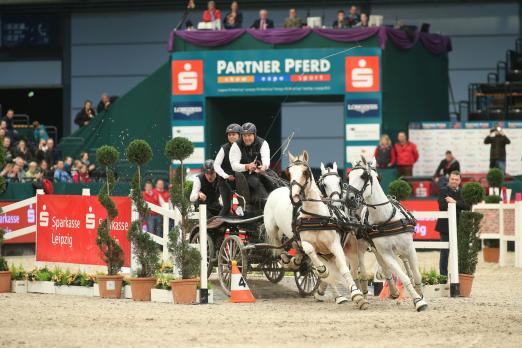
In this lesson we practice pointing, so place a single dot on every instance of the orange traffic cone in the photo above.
(385, 292)
(239, 291)
(401, 289)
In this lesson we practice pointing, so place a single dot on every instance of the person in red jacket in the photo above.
(407, 155)
(212, 13)
(154, 220)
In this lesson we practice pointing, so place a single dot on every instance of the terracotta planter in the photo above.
(5, 281)
(184, 290)
(110, 286)
(466, 282)
(141, 288)
(491, 254)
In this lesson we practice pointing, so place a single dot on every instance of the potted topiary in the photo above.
(495, 177)
(139, 152)
(186, 258)
(5, 274)
(111, 252)
(400, 189)
(467, 237)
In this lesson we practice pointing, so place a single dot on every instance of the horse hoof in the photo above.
(421, 306)
(357, 296)
(319, 298)
(394, 296)
(341, 300)
(363, 304)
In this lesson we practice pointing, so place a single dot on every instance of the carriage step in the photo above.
(259, 246)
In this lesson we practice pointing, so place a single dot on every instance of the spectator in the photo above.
(364, 21)
(353, 16)
(32, 173)
(384, 153)
(105, 103)
(3, 133)
(53, 154)
(234, 18)
(84, 158)
(293, 21)
(45, 172)
(16, 174)
(6, 143)
(448, 194)
(60, 175)
(263, 22)
(68, 164)
(82, 176)
(211, 14)
(40, 133)
(448, 165)
(42, 151)
(154, 220)
(9, 120)
(163, 194)
(7, 168)
(341, 22)
(407, 155)
(23, 151)
(497, 152)
(85, 115)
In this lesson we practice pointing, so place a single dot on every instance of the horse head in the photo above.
(300, 176)
(330, 182)
(360, 182)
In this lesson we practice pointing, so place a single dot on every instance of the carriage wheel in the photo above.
(231, 249)
(211, 251)
(273, 271)
(305, 279)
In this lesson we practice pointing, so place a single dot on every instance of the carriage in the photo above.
(243, 239)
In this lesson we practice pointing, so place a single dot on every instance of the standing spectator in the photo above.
(154, 220)
(85, 115)
(81, 176)
(341, 22)
(9, 124)
(234, 18)
(163, 194)
(105, 103)
(53, 154)
(263, 22)
(497, 152)
(448, 165)
(40, 133)
(407, 155)
(353, 16)
(84, 158)
(60, 174)
(211, 14)
(364, 21)
(448, 194)
(385, 153)
(293, 21)
(23, 151)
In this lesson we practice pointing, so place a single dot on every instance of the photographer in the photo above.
(497, 153)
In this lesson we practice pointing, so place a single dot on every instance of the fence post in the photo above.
(166, 222)
(501, 240)
(518, 234)
(203, 289)
(453, 250)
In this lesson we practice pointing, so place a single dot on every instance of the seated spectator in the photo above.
(23, 151)
(85, 115)
(15, 174)
(3, 134)
(40, 133)
(154, 220)
(448, 165)
(45, 172)
(68, 164)
(234, 18)
(32, 173)
(7, 168)
(60, 175)
(81, 176)
(364, 21)
(20, 162)
(353, 16)
(385, 153)
(293, 21)
(341, 22)
(105, 103)
(263, 22)
(84, 158)
(53, 154)
(211, 14)
(6, 143)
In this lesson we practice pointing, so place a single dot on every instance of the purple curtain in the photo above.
(434, 43)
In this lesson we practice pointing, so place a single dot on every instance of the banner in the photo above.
(16, 220)
(425, 229)
(67, 227)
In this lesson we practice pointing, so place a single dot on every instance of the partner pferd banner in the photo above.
(67, 226)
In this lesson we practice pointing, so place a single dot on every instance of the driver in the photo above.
(205, 191)
(250, 155)
(226, 180)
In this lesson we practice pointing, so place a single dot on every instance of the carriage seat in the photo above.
(217, 221)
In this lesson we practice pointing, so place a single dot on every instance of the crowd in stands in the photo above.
(233, 19)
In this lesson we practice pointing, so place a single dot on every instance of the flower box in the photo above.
(74, 290)
(96, 290)
(19, 286)
(210, 296)
(161, 295)
(436, 291)
(126, 291)
(46, 287)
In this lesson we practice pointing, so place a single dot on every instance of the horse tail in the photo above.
(271, 228)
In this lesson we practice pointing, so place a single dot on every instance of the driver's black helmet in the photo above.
(248, 128)
(208, 166)
(233, 128)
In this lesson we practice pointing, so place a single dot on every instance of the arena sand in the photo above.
(491, 317)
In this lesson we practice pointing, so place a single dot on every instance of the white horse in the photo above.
(364, 189)
(278, 217)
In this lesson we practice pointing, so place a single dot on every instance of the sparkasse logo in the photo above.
(362, 74)
(187, 77)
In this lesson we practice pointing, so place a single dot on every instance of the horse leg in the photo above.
(363, 274)
(352, 255)
(392, 263)
(409, 271)
(388, 275)
(340, 261)
(413, 262)
(322, 270)
(319, 294)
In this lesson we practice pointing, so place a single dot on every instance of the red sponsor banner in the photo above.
(16, 220)
(187, 77)
(362, 74)
(425, 229)
(67, 227)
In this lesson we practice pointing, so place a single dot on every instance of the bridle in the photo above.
(322, 185)
(308, 180)
(358, 194)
